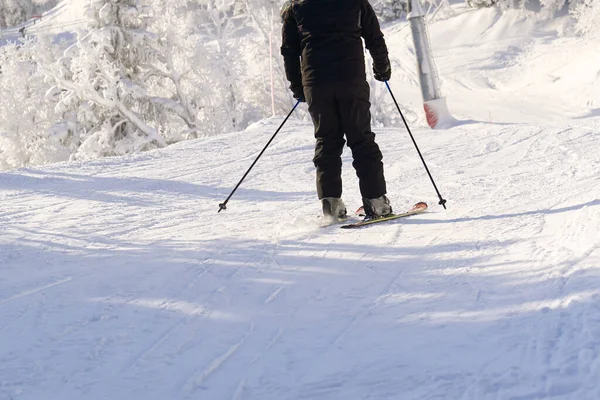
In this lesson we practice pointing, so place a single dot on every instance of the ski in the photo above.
(327, 222)
(416, 209)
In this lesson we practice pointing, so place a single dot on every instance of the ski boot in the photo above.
(377, 208)
(334, 207)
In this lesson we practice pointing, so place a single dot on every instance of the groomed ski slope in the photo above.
(119, 280)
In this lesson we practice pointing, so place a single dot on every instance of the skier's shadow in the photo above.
(125, 189)
(463, 122)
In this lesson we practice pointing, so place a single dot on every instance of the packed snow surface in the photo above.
(119, 279)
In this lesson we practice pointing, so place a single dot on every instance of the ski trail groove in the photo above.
(374, 303)
(199, 311)
(239, 392)
(238, 395)
(196, 381)
(369, 309)
(175, 326)
(206, 308)
(35, 290)
(274, 294)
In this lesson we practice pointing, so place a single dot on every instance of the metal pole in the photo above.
(442, 201)
(223, 205)
(428, 77)
(271, 66)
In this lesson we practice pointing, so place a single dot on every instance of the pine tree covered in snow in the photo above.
(100, 83)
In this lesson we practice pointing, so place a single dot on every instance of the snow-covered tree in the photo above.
(390, 10)
(547, 7)
(175, 92)
(222, 30)
(200, 73)
(100, 84)
(25, 116)
(265, 49)
(587, 16)
(14, 12)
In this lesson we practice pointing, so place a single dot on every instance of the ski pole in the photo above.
(223, 205)
(442, 201)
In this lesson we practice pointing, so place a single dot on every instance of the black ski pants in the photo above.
(338, 109)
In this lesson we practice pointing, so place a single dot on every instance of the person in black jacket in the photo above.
(325, 65)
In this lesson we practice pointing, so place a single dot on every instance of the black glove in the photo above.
(298, 92)
(383, 73)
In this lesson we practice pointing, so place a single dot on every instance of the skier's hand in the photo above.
(383, 73)
(299, 94)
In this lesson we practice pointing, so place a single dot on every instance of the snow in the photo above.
(119, 279)
(504, 67)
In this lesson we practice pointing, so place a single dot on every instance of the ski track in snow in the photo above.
(30, 292)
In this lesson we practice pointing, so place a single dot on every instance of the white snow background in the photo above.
(119, 279)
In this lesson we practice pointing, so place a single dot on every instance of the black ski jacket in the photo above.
(322, 41)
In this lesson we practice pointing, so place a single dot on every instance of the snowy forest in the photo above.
(143, 74)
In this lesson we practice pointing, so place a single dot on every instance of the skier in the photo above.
(324, 63)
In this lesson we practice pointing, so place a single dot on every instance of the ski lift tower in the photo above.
(436, 109)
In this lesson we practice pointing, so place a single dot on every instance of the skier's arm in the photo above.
(291, 50)
(371, 32)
